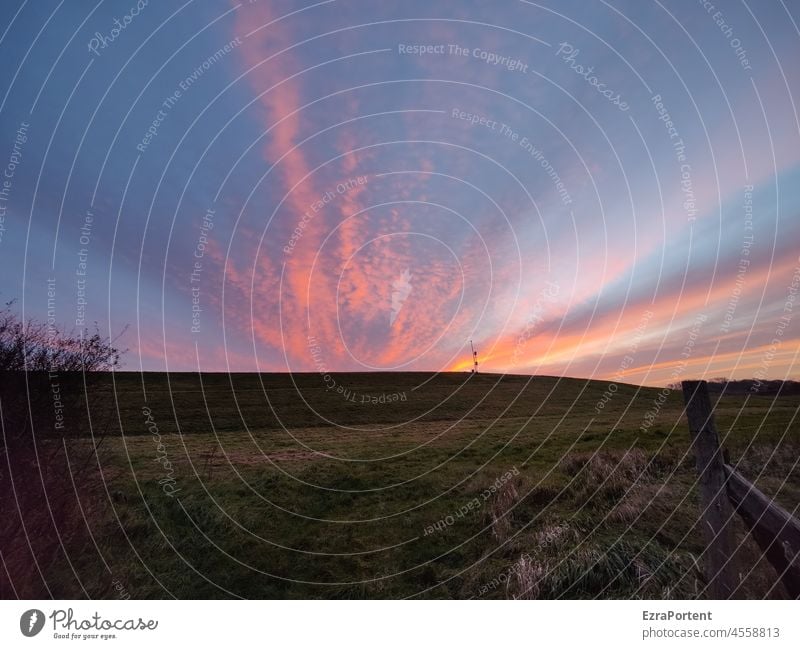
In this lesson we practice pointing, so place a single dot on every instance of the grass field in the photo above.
(403, 485)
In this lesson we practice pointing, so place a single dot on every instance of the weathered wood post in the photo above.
(715, 507)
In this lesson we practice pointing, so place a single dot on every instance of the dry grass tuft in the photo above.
(499, 510)
(604, 477)
(524, 577)
(555, 536)
(638, 499)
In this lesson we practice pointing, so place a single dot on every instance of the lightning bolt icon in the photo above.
(32, 621)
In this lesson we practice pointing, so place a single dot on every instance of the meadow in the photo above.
(404, 485)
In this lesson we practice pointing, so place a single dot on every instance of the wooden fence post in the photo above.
(716, 509)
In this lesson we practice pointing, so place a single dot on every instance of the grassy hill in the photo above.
(405, 485)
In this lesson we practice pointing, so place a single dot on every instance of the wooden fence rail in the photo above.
(723, 490)
(775, 530)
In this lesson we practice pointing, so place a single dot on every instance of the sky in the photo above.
(595, 189)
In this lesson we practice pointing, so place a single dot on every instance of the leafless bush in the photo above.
(45, 377)
(32, 346)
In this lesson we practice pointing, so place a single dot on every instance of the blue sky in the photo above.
(450, 191)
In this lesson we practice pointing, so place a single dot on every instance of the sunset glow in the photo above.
(386, 183)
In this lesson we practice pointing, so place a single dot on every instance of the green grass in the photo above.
(280, 499)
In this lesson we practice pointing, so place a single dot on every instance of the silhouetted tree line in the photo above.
(776, 387)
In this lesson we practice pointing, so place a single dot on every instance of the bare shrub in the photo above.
(45, 377)
(31, 346)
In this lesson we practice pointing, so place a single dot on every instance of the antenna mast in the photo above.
(474, 358)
